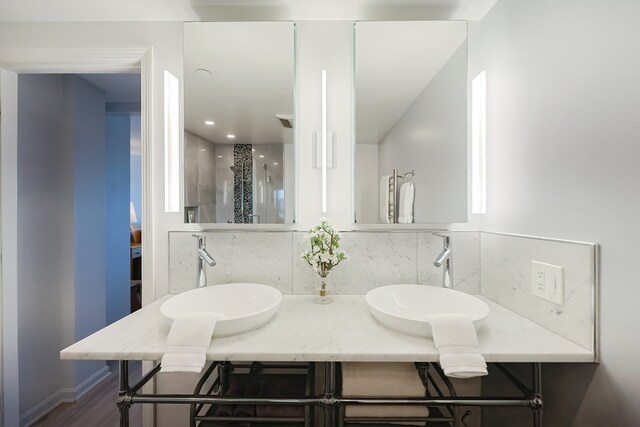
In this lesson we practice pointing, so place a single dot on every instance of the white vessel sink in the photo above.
(245, 306)
(403, 308)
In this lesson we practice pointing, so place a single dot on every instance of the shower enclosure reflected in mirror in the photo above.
(411, 122)
(238, 122)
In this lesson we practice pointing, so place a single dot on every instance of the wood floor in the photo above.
(97, 408)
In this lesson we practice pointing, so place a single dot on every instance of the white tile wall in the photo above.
(375, 259)
(262, 257)
(502, 273)
(465, 260)
(506, 279)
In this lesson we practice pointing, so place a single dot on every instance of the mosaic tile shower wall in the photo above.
(242, 183)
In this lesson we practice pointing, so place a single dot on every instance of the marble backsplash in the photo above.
(498, 266)
(506, 279)
(375, 259)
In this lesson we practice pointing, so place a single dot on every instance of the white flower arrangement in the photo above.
(323, 255)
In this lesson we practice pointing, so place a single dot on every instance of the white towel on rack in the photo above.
(188, 342)
(455, 339)
(405, 214)
(385, 181)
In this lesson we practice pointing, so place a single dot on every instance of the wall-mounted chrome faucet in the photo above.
(444, 260)
(203, 255)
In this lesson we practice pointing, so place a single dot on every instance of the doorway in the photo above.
(123, 196)
(74, 272)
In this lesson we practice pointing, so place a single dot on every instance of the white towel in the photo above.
(188, 342)
(384, 199)
(455, 338)
(377, 379)
(405, 214)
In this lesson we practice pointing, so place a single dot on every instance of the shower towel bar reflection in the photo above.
(329, 400)
(394, 193)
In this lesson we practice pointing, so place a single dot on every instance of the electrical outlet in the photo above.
(547, 282)
(539, 277)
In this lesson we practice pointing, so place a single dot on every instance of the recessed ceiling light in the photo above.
(231, 136)
(219, 157)
(275, 163)
(209, 122)
(203, 149)
(253, 150)
(203, 72)
(261, 156)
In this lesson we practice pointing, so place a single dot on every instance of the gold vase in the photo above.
(323, 291)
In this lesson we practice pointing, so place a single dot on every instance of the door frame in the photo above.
(63, 61)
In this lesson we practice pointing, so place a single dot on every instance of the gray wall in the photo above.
(44, 206)
(200, 175)
(61, 228)
(87, 118)
(135, 168)
(431, 137)
(117, 197)
(563, 97)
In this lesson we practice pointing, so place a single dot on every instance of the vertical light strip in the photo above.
(479, 144)
(324, 141)
(171, 143)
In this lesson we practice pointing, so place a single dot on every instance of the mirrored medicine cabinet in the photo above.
(410, 88)
(239, 122)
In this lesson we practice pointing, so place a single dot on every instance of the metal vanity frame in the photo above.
(332, 402)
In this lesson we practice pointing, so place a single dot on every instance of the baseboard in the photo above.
(88, 384)
(64, 395)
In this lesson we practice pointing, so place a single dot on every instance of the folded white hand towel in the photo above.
(384, 199)
(376, 379)
(405, 214)
(455, 338)
(188, 342)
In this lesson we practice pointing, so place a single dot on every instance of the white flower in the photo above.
(324, 241)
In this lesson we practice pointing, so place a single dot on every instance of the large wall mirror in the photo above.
(238, 122)
(411, 122)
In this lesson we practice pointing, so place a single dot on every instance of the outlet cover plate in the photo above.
(547, 282)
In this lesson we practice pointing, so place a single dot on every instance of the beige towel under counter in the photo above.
(360, 379)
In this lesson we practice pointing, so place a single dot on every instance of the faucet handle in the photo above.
(201, 239)
(446, 238)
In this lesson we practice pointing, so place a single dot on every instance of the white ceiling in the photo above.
(241, 10)
(252, 80)
(394, 62)
(118, 87)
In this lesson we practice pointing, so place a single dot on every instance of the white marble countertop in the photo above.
(342, 331)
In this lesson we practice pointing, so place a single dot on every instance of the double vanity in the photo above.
(345, 330)
(403, 151)
(262, 325)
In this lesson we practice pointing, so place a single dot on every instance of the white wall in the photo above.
(1, 341)
(563, 97)
(431, 138)
(324, 45)
(367, 182)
